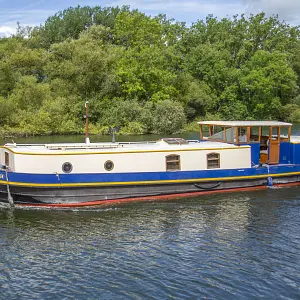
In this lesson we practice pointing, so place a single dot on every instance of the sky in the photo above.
(35, 12)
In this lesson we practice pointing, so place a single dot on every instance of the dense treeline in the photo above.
(146, 74)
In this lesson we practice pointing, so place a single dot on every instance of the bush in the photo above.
(291, 113)
(120, 113)
(168, 117)
(133, 128)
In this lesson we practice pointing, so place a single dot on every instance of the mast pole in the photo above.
(87, 139)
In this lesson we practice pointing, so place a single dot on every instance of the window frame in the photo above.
(68, 165)
(178, 161)
(6, 158)
(213, 159)
(109, 162)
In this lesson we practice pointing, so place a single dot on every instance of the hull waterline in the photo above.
(89, 196)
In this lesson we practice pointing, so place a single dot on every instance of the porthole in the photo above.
(67, 167)
(108, 165)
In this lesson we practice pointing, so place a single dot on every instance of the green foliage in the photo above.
(196, 96)
(248, 63)
(168, 117)
(146, 74)
(85, 65)
(133, 128)
(270, 83)
(71, 22)
(145, 68)
(291, 113)
(6, 111)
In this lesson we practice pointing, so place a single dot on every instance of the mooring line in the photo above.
(9, 196)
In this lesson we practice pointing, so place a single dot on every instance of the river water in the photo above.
(233, 246)
(230, 246)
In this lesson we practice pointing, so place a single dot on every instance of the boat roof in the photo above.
(245, 123)
(163, 144)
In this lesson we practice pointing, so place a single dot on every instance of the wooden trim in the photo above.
(213, 159)
(248, 134)
(201, 132)
(259, 133)
(6, 158)
(210, 130)
(173, 161)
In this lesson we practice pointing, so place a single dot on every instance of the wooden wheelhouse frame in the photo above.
(269, 141)
(245, 124)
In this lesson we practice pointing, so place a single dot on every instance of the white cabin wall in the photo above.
(229, 159)
(131, 162)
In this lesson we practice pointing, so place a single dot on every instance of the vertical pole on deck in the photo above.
(87, 139)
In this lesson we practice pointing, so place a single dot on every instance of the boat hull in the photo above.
(72, 196)
(79, 189)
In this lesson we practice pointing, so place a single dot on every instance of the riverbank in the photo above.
(94, 130)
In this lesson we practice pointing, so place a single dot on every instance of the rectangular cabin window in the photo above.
(255, 134)
(6, 158)
(213, 160)
(275, 133)
(173, 162)
(217, 133)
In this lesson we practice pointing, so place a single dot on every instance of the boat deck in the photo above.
(163, 144)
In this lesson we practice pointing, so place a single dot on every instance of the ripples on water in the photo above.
(240, 246)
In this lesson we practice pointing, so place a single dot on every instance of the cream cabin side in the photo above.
(129, 161)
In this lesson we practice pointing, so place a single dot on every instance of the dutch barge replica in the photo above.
(232, 155)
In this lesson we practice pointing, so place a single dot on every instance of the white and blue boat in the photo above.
(229, 155)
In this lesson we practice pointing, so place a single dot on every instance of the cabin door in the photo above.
(274, 145)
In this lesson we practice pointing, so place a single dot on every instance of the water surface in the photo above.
(233, 246)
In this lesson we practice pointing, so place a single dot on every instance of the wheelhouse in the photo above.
(269, 140)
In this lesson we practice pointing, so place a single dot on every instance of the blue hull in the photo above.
(87, 188)
(107, 179)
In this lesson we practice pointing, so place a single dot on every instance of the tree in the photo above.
(86, 66)
(145, 70)
(70, 22)
(268, 83)
(168, 117)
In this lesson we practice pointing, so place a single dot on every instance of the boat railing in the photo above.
(66, 146)
(105, 145)
(137, 143)
(23, 145)
(82, 146)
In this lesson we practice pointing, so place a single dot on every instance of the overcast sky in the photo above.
(35, 12)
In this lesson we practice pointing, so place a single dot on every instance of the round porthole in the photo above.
(67, 167)
(108, 165)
